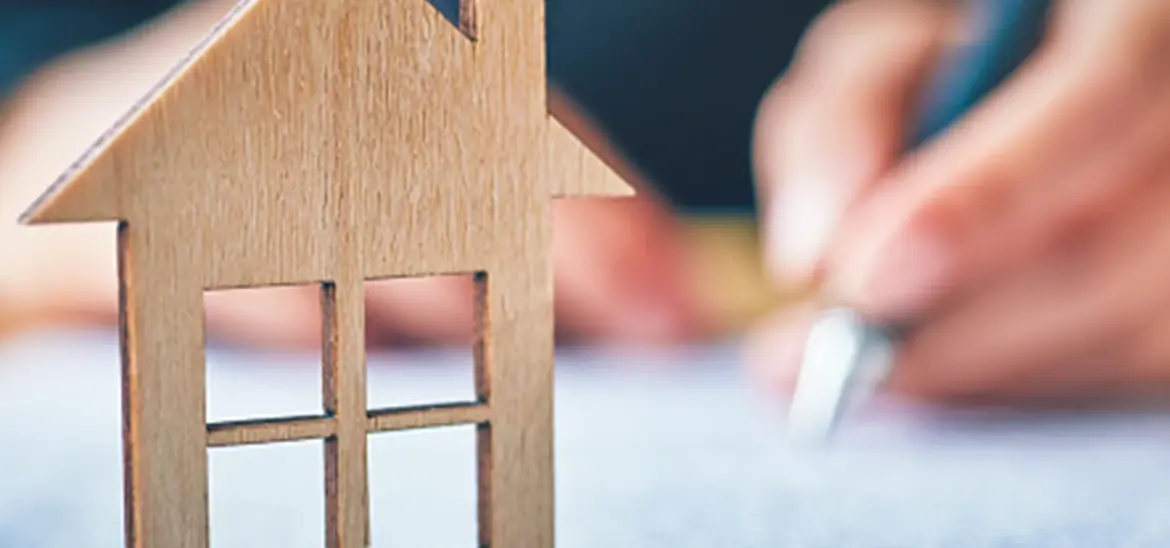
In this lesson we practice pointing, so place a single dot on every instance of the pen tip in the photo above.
(840, 358)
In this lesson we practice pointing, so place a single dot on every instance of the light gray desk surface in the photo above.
(665, 449)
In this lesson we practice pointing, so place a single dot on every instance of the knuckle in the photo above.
(953, 215)
(831, 21)
(984, 208)
(836, 33)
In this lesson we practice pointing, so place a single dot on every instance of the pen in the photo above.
(846, 357)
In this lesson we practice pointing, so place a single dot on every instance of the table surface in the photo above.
(671, 449)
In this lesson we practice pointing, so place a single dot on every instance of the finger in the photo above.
(1025, 340)
(774, 347)
(1056, 143)
(621, 272)
(834, 123)
(1073, 306)
(432, 310)
(287, 317)
(1144, 357)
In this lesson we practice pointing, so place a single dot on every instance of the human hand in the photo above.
(1028, 244)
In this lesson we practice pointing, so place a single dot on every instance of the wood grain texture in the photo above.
(227, 434)
(516, 450)
(344, 393)
(163, 395)
(247, 432)
(428, 417)
(335, 143)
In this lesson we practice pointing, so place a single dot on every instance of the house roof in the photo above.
(79, 194)
(65, 197)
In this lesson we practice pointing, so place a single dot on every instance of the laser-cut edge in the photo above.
(127, 380)
(259, 431)
(238, 433)
(469, 19)
(482, 364)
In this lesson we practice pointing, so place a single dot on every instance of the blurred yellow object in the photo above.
(729, 271)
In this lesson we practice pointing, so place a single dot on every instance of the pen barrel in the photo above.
(1002, 35)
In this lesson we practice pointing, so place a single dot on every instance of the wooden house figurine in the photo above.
(335, 142)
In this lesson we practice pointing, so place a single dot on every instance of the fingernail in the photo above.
(901, 278)
(800, 227)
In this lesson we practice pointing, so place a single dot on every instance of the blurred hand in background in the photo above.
(1030, 245)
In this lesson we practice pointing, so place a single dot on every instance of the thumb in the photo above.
(834, 123)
